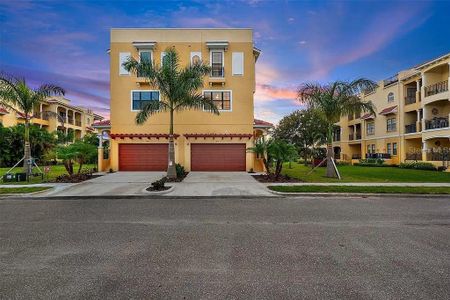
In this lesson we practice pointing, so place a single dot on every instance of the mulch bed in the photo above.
(271, 178)
(151, 189)
(75, 178)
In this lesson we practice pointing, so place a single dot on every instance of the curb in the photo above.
(26, 194)
(362, 195)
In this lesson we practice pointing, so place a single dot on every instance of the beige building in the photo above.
(70, 118)
(204, 142)
(412, 120)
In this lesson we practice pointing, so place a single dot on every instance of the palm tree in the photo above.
(334, 101)
(179, 90)
(16, 96)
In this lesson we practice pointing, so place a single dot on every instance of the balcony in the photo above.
(411, 128)
(378, 155)
(437, 88)
(336, 138)
(352, 137)
(414, 156)
(436, 123)
(70, 120)
(356, 156)
(410, 100)
(370, 131)
(443, 155)
(78, 123)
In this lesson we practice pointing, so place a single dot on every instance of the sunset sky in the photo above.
(65, 42)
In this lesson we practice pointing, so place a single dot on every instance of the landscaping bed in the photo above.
(360, 189)
(271, 178)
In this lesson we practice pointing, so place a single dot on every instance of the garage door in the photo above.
(143, 157)
(218, 157)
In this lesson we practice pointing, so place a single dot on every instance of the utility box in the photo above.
(9, 177)
(21, 177)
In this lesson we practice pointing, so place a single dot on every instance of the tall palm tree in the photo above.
(336, 100)
(179, 90)
(16, 96)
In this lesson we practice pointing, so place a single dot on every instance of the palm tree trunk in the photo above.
(171, 170)
(331, 172)
(27, 149)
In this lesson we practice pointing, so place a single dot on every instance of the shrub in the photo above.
(418, 165)
(158, 185)
(371, 162)
(181, 172)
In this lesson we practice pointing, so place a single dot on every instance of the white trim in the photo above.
(193, 53)
(231, 99)
(436, 129)
(163, 53)
(223, 60)
(131, 98)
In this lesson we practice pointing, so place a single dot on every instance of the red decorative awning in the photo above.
(389, 110)
(217, 135)
(141, 135)
(261, 123)
(368, 117)
(102, 124)
(90, 128)
(20, 115)
(3, 111)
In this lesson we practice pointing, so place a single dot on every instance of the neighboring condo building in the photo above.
(204, 142)
(412, 120)
(70, 118)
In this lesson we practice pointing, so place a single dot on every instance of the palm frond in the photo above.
(47, 90)
(150, 109)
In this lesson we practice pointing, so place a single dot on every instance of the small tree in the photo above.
(78, 152)
(261, 149)
(280, 152)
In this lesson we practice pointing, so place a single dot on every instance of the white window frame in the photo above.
(223, 59)
(232, 61)
(231, 99)
(393, 97)
(125, 73)
(194, 53)
(162, 57)
(146, 50)
(131, 98)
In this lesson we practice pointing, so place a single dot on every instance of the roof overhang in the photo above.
(217, 45)
(368, 117)
(432, 62)
(256, 53)
(389, 111)
(144, 45)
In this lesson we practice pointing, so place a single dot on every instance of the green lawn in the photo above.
(366, 174)
(55, 171)
(360, 189)
(22, 190)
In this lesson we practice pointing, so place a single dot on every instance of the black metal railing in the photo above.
(70, 120)
(414, 156)
(378, 155)
(410, 99)
(438, 155)
(336, 138)
(78, 123)
(356, 156)
(410, 128)
(436, 88)
(437, 122)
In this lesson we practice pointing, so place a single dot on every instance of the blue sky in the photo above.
(65, 42)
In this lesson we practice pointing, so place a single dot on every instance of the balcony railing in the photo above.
(410, 100)
(410, 128)
(378, 155)
(370, 131)
(356, 156)
(78, 123)
(442, 155)
(70, 120)
(217, 72)
(436, 123)
(414, 156)
(352, 137)
(336, 138)
(436, 88)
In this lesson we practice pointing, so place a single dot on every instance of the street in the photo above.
(230, 248)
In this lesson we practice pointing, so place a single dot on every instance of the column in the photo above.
(424, 109)
(418, 124)
(100, 153)
(424, 150)
(418, 94)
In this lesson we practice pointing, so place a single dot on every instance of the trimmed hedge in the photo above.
(418, 165)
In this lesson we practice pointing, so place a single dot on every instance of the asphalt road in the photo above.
(348, 248)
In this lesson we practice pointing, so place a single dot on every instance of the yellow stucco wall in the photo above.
(237, 121)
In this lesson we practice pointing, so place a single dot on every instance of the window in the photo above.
(391, 125)
(394, 149)
(163, 58)
(368, 149)
(222, 99)
(370, 128)
(141, 98)
(145, 55)
(238, 63)
(373, 148)
(123, 57)
(390, 97)
(217, 64)
(389, 149)
(196, 57)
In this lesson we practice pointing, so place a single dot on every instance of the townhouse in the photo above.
(69, 118)
(204, 142)
(412, 120)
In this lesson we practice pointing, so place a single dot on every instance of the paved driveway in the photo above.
(119, 183)
(219, 184)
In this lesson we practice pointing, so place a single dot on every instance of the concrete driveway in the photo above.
(219, 184)
(119, 183)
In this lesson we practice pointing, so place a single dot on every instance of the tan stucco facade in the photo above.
(418, 102)
(232, 123)
(71, 118)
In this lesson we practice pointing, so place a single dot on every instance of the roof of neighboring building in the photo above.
(261, 123)
(389, 110)
(431, 61)
(367, 117)
(3, 111)
(102, 124)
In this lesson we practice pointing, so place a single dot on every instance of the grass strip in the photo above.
(360, 189)
(23, 190)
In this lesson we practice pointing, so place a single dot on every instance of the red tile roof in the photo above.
(389, 110)
(20, 115)
(141, 135)
(258, 122)
(104, 123)
(217, 135)
(3, 111)
(367, 117)
(90, 128)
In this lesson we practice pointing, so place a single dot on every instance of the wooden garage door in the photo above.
(143, 157)
(218, 157)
